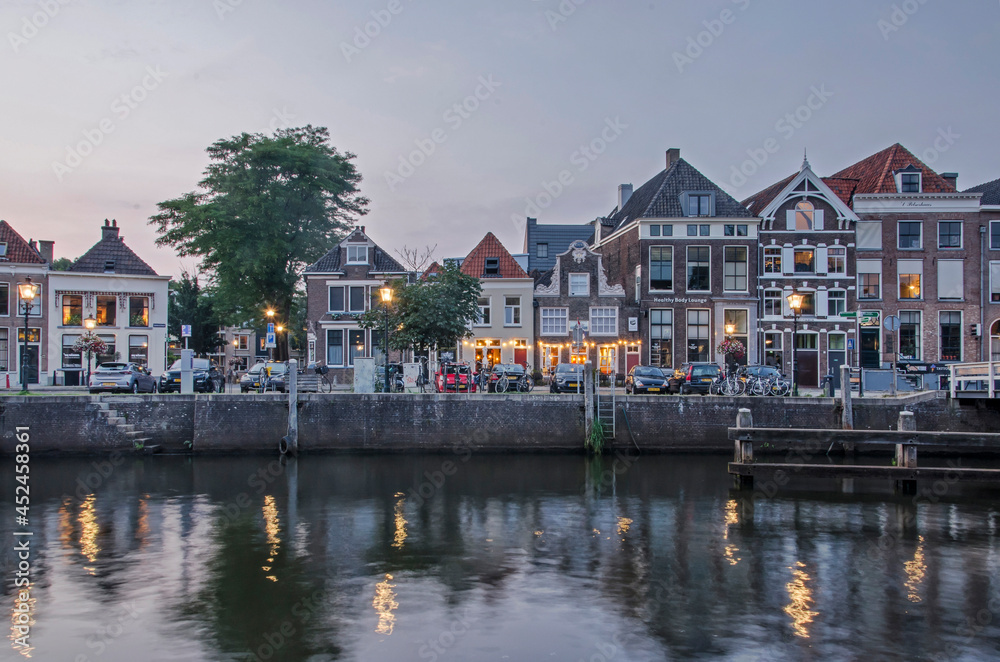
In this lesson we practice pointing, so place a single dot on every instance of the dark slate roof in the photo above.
(382, 262)
(990, 191)
(111, 248)
(18, 250)
(558, 237)
(660, 197)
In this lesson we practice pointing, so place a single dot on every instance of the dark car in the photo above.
(567, 378)
(513, 371)
(699, 378)
(645, 379)
(763, 371)
(250, 381)
(447, 375)
(277, 376)
(121, 378)
(207, 377)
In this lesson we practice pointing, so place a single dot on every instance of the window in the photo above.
(697, 335)
(836, 302)
(111, 353)
(541, 250)
(654, 230)
(138, 311)
(579, 285)
(772, 260)
(995, 235)
(949, 234)
(705, 230)
(334, 347)
(484, 312)
(668, 231)
(869, 235)
(492, 267)
(804, 215)
(909, 335)
(910, 272)
(772, 349)
(4, 299)
(661, 337)
(3, 249)
(699, 204)
(603, 321)
(242, 342)
(35, 310)
(357, 294)
(138, 349)
(512, 311)
(661, 268)
(337, 299)
(772, 303)
(951, 279)
(737, 317)
(807, 341)
(72, 310)
(356, 343)
(808, 304)
(692, 230)
(70, 358)
(4, 349)
(995, 282)
(357, 254)
(107, 308)
(836, 260)
(909, 234)
(735, 230)
(910, 182)
(698, 269)
(638, 284)
(805, 261)
(869, 286)
(735, 269)
(951, 336)
(554, 321)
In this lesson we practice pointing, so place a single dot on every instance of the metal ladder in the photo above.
(606, 405)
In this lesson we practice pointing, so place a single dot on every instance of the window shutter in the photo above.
(869, 235)
(818, 219)
(787, 260)
(790, 220)
(951, 283)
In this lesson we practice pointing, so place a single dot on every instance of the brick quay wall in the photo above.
(434, 423)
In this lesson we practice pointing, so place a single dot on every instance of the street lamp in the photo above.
(386, 294)
(89, 324)
(730, 329)
(27, 292)
(795, 303)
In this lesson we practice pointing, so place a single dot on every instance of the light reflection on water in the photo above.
(329, 560)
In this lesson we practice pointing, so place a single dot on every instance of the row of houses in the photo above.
(891, 261)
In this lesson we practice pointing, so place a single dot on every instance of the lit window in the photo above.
(805, 261)
(772, 260)
(138, 311)
(805, 214)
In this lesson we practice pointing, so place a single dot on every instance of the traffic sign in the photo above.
(850, 343)
(852, 314)
(185, 330)
(270, 327)
(892, 323)
(270, 340)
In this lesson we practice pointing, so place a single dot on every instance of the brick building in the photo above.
(806, 246)
(989, 211)
(21, 259)
(687, 254)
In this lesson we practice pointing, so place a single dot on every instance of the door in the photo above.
(870, 348)
(30, 365)
(807, 358)
(632, 358)
(521, 356)
(836, 355)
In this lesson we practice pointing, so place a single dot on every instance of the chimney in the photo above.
(673, 156)
(624, 193)
(362, 229)
(33, 244)
(46, 250)
(110, 230)
(951, 178)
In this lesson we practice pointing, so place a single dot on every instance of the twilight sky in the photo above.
(109, 104)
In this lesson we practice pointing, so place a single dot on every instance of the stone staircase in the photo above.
(128, 430)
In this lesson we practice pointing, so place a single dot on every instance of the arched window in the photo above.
(995, 341)
(805, 213)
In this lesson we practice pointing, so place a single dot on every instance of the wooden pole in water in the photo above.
(588, 399)
(290, 443)
(847, 412)
(744, 449)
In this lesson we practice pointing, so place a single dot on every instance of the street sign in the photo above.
(869, 318)
(270, 327)
(850, 343)
(270, 340)
(185, 330)
(851, 314)
(892, 323)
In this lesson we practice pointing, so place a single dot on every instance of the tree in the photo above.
(189, 304)
(435, 312)
(269, 207)
(415, 259)
(62, 264)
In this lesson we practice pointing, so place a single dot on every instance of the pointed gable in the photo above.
(489, 249)
(380, 261)
(18, 250)
(766, 203)
(111, 255)
(876, 174)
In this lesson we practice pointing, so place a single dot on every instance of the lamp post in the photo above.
(27, 292)
(89, 324)
(386, 294)
(795, 303)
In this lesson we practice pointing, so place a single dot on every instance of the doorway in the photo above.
(836, 355)
(807, 357)
(870, 348)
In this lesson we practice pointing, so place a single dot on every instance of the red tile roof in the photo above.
(18, 249)
(875, 173)
(490, 246)
(843, 187)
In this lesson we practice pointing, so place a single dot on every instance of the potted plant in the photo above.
(732, 349)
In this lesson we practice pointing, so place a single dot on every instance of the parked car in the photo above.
(447, 374)
(250, 381)
(513, 371)
(699, 378)
(645, 379)
(121, 378)
(763, 371)
(207, 377)
(567, 378)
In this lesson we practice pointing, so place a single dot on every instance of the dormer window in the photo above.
(492, 267)
(908, 180)
(699, 204)
(3, 250)
(357, 254)
(109, 266)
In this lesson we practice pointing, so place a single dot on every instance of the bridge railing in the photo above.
(964, 373)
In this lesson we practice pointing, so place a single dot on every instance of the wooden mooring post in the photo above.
(847, 412)
(744, 449)
(906, 454)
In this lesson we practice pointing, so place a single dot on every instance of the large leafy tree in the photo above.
(190, 304)
(435, 312)
(268, 207)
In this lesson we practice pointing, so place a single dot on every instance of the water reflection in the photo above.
(915, 571)
(800, 594)
(399, 521)
(270, 512)
(385, 605)
(17, 620)
(89, 530)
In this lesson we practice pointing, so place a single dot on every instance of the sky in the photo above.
(466, 117)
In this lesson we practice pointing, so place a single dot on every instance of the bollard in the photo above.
(290, 443)
(589, 394)
(847, 412)
(744, 449)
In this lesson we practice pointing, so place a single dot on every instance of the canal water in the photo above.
(478, 557)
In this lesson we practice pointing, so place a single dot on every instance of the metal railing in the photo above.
(965, 373)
